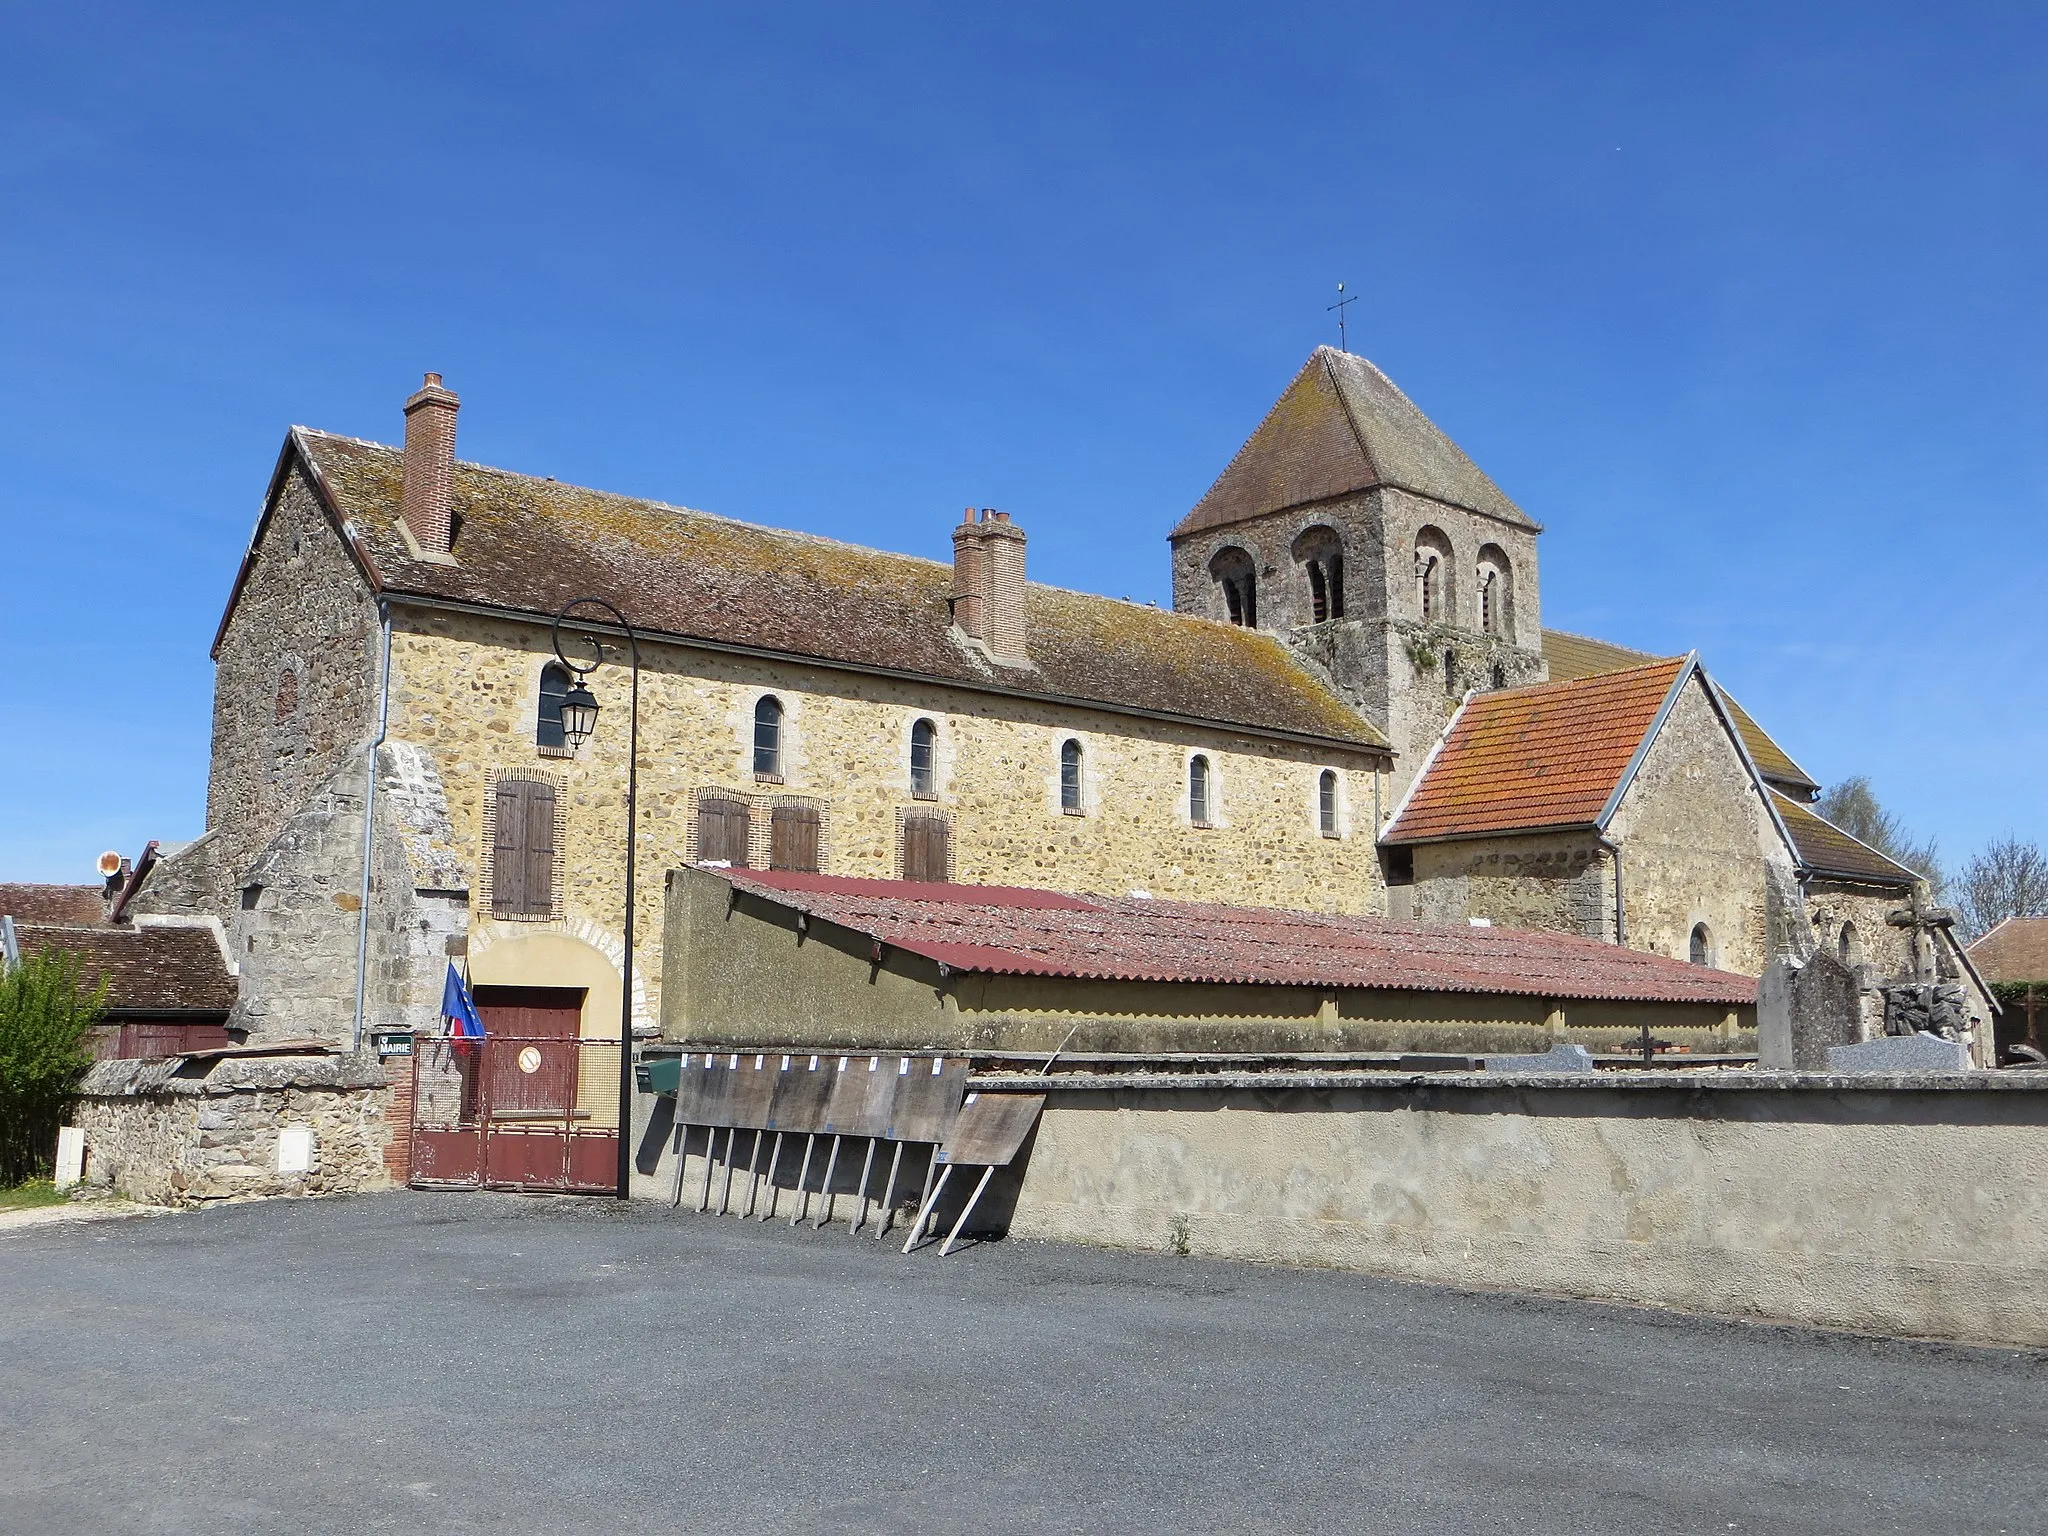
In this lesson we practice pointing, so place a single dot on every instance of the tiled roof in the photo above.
(1342, 426)
(1826, 849)
(1008, 931)
(150, 969)
(1574, 656)
(531, 545)
(1526, 758)
(2016, 950)
(76, 904)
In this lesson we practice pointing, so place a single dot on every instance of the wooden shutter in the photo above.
(793, 838)
(523, 850)
(925, 849)
(723, 827)
(540, 850)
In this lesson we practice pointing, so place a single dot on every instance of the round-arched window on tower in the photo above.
(1702, 945)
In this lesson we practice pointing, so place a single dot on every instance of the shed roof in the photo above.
(1574, 656)
(1005, 930)
(529, 545)
(1343, 426)
(2016, 950)
(1826, 849)
(75, 904)
(1523, 759)
(158, 968)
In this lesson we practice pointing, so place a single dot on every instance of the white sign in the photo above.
(529, 1060)
(70, 1155)
(295, 1149)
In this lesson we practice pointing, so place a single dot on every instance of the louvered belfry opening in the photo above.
(523, 850)
(724, 827)
(927, 848)
(793, 838)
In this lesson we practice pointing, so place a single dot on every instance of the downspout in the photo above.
(370, 826)
(1620, 905)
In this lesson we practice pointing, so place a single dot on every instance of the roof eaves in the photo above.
(1672, 695)
(1909, 876)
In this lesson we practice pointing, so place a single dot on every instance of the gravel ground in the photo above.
(454, 1363)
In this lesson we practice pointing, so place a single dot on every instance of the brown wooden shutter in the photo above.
(925, 841)
(793, 838)
(508, 850)
(723, 829)
(540, 850)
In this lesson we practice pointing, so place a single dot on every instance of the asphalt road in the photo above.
(444, 1363)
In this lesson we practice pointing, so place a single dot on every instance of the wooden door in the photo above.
(723, 830)
(926, 854)
(530, 1051)
(793, 838)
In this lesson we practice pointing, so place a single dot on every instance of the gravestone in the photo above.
(1802, 1011)
(1559, 1058)
(1901, 1053)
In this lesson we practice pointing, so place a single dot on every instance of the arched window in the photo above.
(924, 774)
(1199, 790)
(1851, 945)
(1702, 945)
(1496, 591)
(1070, 776)
(1433, 595)
(1326, 803)
(547, 724)
(1450, 672)
(1320, 554)
(768, 738)
(1236, 576)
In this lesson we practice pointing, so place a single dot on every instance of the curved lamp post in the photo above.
(579, 719)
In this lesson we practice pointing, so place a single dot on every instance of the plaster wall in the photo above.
(1873, 1209)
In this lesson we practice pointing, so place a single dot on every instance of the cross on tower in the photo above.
(1343, 341)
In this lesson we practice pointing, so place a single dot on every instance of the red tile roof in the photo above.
(71, 904)
(1006, 930)
(2016, 950)
(1528, 758)
(529, 545)
(149, 970)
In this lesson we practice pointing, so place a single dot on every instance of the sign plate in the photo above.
(394, 1043)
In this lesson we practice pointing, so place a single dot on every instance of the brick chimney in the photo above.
(427, 502)
(988, 583)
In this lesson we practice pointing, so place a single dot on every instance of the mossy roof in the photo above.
(1343, 426)
(1574, 656)
(1826, 849)
(528, 545)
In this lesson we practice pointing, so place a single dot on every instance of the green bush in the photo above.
(46, 1008)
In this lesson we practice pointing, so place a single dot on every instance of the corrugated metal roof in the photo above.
(1343, 426)
(1006, 931)
(1574, 656)
(1826, 849)
(1524, 758)
(2016, 950)
(530, 545)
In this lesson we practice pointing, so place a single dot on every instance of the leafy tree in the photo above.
(2008, 879)
(1853, 806)
(46, 1009)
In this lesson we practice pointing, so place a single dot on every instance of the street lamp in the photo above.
(579, 719)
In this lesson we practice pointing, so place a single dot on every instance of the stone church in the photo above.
(1352, 707)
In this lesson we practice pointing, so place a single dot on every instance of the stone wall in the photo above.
(465, 691)
(191, 1133)
(1891, 1208)
(1555, 882)
(1874, 941)
(295, 680)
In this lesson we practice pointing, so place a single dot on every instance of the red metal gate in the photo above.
(515, 1112)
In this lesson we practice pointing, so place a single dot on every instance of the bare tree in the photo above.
(1853, 806)
(2008, 879)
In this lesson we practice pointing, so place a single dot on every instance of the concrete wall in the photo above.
(1883, 1209)
(465, 690)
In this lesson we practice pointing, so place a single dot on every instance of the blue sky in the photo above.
(1743, 303)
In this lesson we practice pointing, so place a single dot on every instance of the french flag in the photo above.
(459, 1009)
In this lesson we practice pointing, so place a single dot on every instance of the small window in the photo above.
(1702, 945)
(1326, 803)
(768, 738)
(1429, 576)
(1236, 575)
(724, 827)
(1500, 675)
(1318, 592)
(793, 838)
(1070, 778)
(1451, 673)
(924, 777)
(927, 848)
(1850, 946)
(523, 850)
(547, 725)
(1199, 788)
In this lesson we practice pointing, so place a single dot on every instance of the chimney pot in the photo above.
(427, 498)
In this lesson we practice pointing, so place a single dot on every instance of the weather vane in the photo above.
(1343, 343)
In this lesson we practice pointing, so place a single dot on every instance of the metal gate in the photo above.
(515, 1112)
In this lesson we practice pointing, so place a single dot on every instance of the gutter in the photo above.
(370, 826)
(1620, 903)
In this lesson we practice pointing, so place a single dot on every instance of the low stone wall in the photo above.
(192, 1132)
(1914, 1206)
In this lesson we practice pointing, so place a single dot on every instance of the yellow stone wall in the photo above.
(466, 689)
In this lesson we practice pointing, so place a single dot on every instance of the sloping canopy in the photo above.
(1340, 427)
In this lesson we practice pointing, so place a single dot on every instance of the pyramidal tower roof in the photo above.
(1341, 427)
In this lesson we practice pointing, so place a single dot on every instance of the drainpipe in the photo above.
(370, 826)
(1620, 906)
